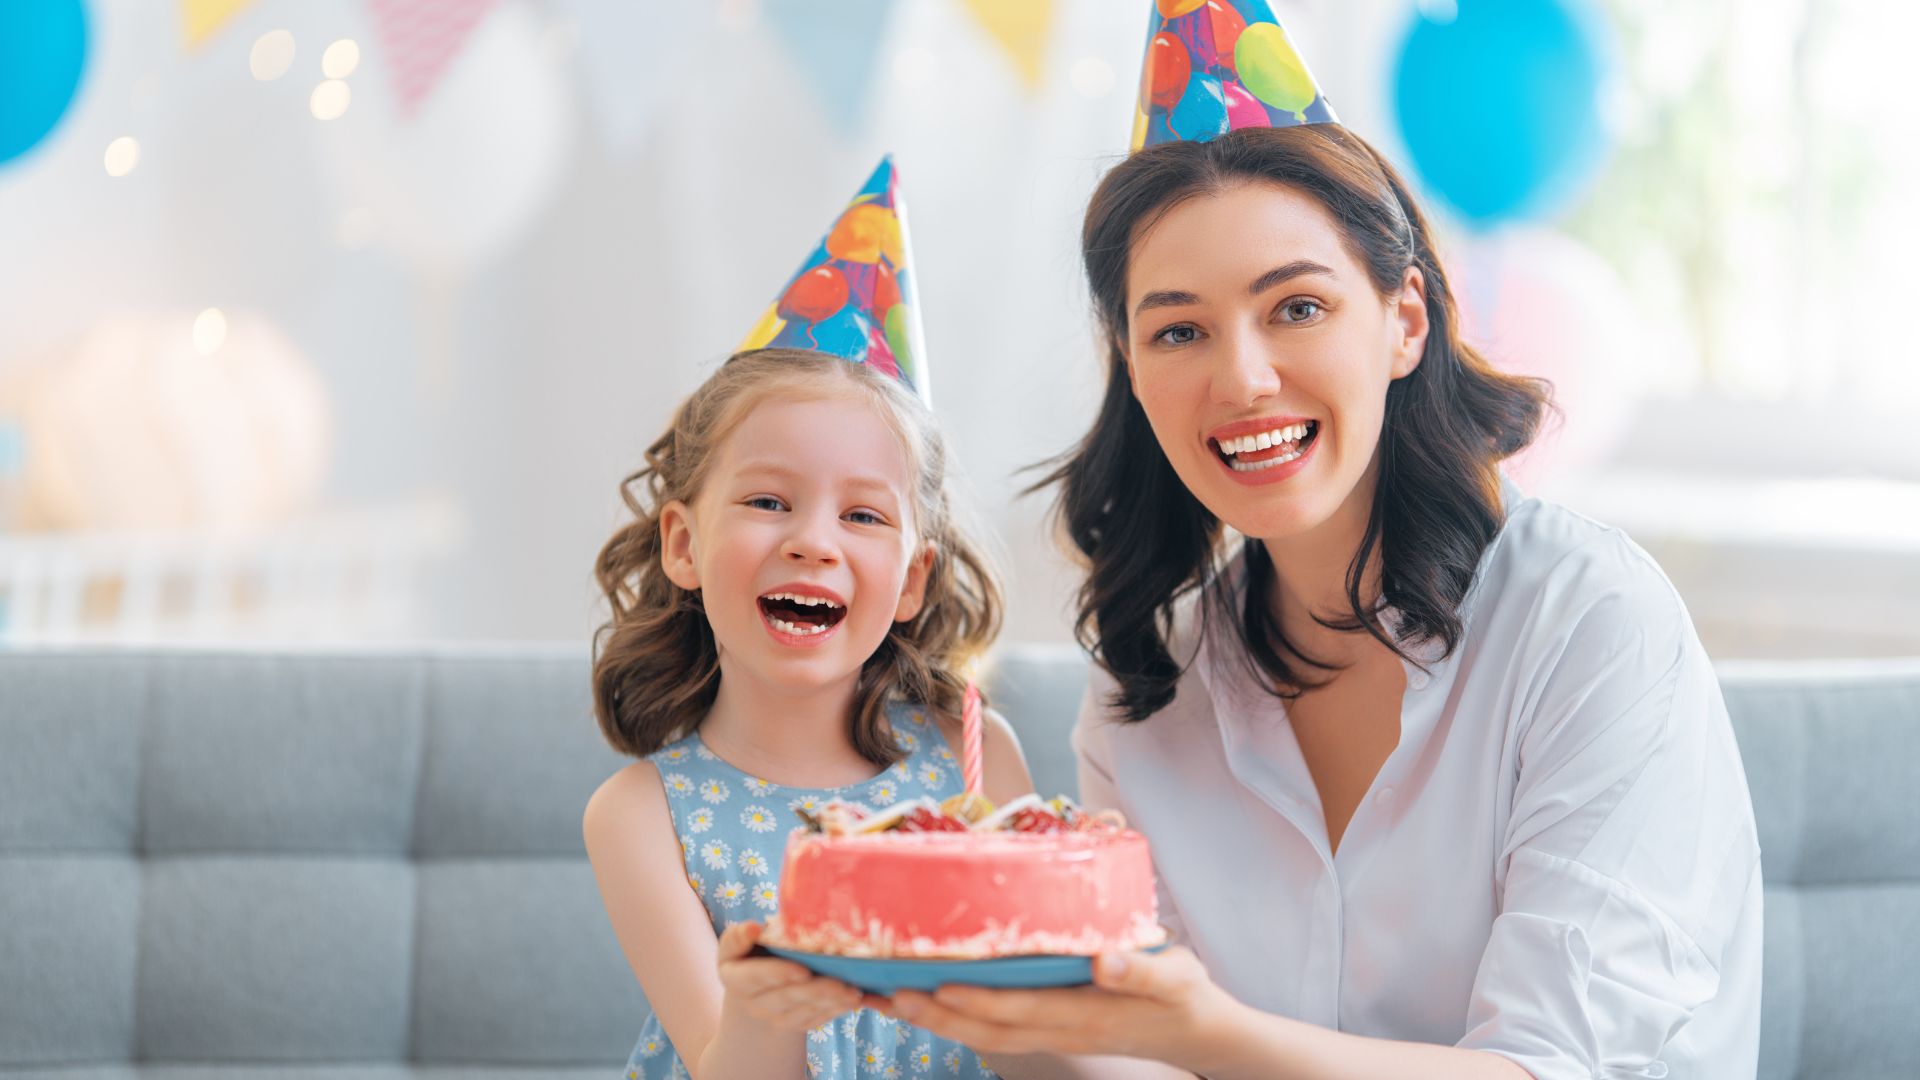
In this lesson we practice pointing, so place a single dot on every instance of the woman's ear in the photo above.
(676, 546)
(913, 594)
(1410, 317)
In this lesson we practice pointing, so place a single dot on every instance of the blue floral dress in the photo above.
(733, 832)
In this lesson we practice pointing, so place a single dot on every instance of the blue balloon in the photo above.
(1500, 105)
(846, 333)
(43, 49)
(1202, 112)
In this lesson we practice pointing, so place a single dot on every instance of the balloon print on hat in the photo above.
(854, 295)
(1214, 66)
(43, 53)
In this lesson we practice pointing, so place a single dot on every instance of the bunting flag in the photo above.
(201, 19)
(836, 46)
(1023, 29)
(421, 39)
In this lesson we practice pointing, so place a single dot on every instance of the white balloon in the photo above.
(137, 428)
(455, 183)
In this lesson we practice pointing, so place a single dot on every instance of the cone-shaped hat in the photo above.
(854, 296)
(1215, 66)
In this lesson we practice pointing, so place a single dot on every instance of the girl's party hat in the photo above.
(1215, 66)
(854, 296)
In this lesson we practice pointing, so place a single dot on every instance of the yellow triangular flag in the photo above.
(1021, 27)
(201, 19)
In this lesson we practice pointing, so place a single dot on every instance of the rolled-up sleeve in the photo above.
(1629, 851)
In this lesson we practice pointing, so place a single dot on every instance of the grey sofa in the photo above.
(368, 866)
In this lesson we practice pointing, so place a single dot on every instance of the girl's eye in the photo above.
(1300, 311)
(766, 502)
(1178, 334)
(865, 517)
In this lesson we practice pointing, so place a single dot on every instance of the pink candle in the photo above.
(970, 739)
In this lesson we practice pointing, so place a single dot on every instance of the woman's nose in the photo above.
(1245, 372)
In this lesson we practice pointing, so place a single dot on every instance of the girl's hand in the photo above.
(1153, 1005)
(778, 993)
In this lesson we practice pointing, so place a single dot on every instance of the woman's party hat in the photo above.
(854, 296)
(1215, 66)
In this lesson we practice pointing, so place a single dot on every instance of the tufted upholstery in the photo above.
(368, 867)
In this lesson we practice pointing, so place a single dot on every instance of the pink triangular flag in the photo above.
(421, 38)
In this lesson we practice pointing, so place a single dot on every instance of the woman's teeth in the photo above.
(1292, 439)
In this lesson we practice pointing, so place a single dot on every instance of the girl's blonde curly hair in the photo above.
(656, 669)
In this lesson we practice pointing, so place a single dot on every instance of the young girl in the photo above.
(791, 605)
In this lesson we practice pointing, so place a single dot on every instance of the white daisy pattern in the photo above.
(731, 826)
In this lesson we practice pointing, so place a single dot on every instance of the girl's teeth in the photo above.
(786, 627)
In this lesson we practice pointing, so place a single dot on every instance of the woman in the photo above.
(1438, 777)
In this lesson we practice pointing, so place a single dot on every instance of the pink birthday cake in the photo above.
(953, 881)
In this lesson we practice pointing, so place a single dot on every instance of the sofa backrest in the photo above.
(308, 859)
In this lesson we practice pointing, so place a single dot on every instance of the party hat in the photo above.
(1215, 66)
(854, 296)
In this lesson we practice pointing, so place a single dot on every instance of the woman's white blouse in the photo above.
(1557, 863)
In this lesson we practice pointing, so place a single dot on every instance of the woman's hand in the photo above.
(778, 993)
(1153, 1005)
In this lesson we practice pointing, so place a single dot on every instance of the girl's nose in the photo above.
(1245, 373)
(810, 541)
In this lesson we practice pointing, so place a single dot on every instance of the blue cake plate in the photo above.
(884, 975)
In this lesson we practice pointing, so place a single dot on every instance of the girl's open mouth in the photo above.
(801, 615)
(1269, 449)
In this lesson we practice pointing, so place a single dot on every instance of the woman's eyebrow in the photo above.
(1279, 274)
(1180, 298)
(1165, 298)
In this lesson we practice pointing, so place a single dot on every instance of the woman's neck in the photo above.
(792, 736)
(1310, 576)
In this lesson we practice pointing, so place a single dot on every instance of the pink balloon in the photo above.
(1244, 110)
(1535, 302)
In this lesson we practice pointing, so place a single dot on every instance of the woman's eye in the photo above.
(1299, 311)
(1180, 334)
(766, 502)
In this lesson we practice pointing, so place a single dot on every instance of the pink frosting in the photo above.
(966, 895)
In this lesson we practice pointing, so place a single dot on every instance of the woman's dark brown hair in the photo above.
(1148, 542)
(656, 669)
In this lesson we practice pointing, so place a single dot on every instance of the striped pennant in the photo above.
(422, 37)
